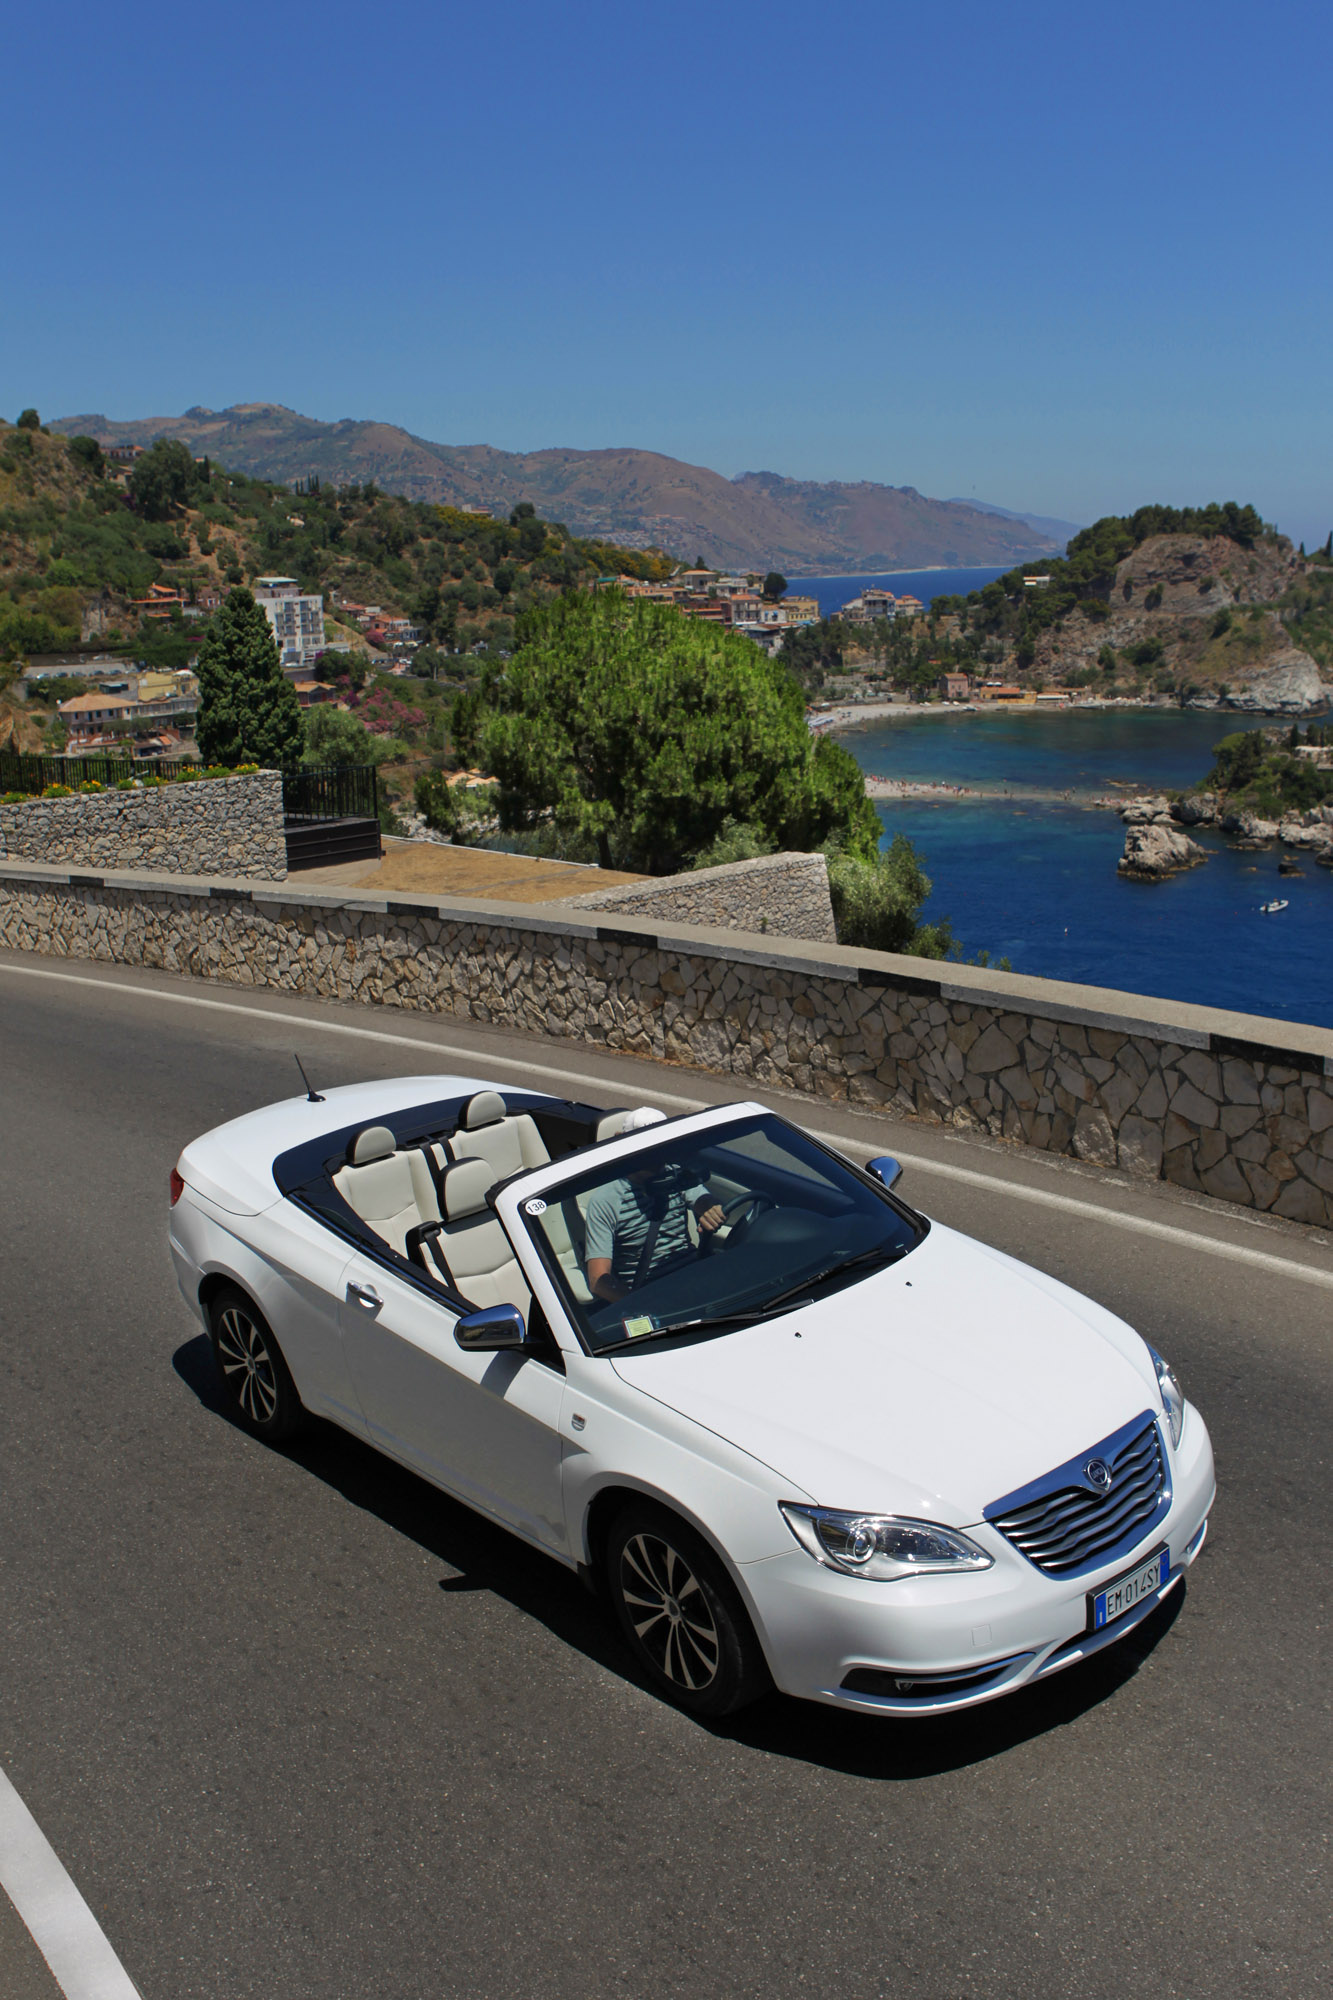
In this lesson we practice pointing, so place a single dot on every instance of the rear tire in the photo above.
(681, 1615)
(256, 1383)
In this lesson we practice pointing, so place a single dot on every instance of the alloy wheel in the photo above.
(247, 1366)
(669, 1612)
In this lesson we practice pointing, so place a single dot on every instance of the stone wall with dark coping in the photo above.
(776, 895)
(201, 826)
(1230, 1105)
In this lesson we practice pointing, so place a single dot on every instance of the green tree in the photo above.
(426, 607)
(775, 583)
(88, 452)
(248, 712)
(29, 420)
(463, 813)
(332, 736)
(643, 731)
(162, 480)
(877, 903)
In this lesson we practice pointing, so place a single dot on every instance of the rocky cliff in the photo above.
(1204, 615)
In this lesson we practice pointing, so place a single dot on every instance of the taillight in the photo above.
(177, 1187)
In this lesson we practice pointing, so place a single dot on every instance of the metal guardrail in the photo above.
(26, 771)
(343, 791)
(335, 791)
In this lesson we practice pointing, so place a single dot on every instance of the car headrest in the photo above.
(486, 1108)
(375, 1143)
(611, 1124)
(465, 1186)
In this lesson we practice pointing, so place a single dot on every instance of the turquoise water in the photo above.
(1037, 882)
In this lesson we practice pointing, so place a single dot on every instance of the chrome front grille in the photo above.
(1065, 1523)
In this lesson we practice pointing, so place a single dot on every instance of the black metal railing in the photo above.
(25, 771)
(335, 791)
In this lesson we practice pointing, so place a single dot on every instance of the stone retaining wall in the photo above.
(204, 826)
(776, 895)
(1233, 1106)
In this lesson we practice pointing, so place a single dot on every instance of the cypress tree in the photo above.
(248, 712)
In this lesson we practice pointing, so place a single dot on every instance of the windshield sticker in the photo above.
(535, 1207)
(635, 1329)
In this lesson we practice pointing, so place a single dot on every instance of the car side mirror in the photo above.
(494, 1330)
(886, 1169)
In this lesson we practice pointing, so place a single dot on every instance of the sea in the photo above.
(833, 592)
(1033, 878)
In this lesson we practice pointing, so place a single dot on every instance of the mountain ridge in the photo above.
(1043, 524)
(626, 494)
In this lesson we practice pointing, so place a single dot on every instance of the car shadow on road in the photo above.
(483, 1556)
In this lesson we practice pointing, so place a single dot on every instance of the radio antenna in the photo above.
(312, 1096)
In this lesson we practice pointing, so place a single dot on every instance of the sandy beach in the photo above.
(851, 715)
(923, 791)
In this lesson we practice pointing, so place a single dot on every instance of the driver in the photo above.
(636, 1225)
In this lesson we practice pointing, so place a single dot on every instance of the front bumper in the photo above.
(963, 1639)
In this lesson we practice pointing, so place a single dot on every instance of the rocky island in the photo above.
(1267, 787)
(1207, 606)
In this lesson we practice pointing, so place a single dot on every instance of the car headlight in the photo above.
(1173, 1396)
(880, 1546)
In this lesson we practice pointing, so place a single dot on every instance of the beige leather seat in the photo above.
(612, 1124)
(563, 1224)
(476, 1251)
(392, 1191)
(489, 1133)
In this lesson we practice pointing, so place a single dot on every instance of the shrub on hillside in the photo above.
(877, 904)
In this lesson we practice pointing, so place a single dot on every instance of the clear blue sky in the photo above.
(1066, 259)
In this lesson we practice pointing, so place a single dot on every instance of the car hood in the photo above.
(932, 1388)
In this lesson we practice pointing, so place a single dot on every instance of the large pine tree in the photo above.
(248, 712)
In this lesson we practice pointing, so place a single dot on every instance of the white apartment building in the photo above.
(297, 621)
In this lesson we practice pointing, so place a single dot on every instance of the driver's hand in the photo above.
(711, 1218)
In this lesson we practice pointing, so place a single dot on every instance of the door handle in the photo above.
(364, 1295)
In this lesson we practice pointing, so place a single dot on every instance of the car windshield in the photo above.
(706, 1231)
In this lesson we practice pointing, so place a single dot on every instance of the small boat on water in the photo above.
(1268, 909)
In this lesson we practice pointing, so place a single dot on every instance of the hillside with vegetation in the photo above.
(81, 540)
(632, 497)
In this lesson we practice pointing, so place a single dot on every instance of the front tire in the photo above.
(681, 1614)
(257, 1387)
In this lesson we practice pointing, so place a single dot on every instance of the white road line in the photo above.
(63, 1927)
(1087, 1211)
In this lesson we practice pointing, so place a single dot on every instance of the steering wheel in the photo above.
(755, 1204)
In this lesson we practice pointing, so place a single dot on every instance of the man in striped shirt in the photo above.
(638, 1224)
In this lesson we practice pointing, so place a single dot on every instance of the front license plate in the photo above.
(1113, 1600)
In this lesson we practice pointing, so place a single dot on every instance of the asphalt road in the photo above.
(299, 1726)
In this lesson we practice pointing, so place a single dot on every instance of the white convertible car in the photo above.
(799, 1434)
